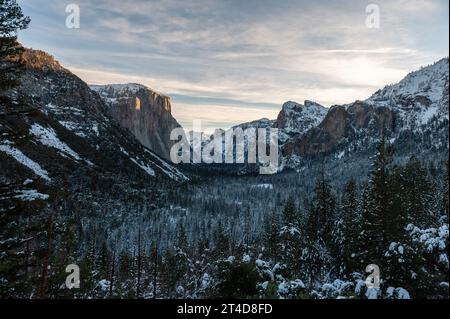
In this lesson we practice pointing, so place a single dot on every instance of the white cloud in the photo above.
(251, 51)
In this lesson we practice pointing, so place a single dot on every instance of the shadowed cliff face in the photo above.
(147, 114)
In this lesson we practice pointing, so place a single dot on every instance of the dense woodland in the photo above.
(397, 220)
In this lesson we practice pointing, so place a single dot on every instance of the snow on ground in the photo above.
(95, 129)
(60, 109)
(426, 115)
(340, 155)
(47, 136)
(263, 186)
(145, 167)
(7, 148)
(169, 170)
(30, 195)
(73, 127)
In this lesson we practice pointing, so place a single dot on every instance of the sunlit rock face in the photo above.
(146, 113)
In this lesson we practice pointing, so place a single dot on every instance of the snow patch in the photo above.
(47, 136)
(150, 171)
(24, 160)
(30, 195)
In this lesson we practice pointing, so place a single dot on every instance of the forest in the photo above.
(316, 247)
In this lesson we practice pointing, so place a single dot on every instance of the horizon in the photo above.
(228, 63)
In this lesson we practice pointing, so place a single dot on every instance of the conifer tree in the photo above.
(322, 213)
(272, 232)
(222, 242)
(290, 216)
(351, 226)
(417, 194)
(289, 241)
(383, 218)
(318, 245)
(445, 194)
(11, 21)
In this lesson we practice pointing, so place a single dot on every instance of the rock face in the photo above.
(145, 113)
(295, 119)
(341, 123)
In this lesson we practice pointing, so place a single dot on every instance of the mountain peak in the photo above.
(309, 104)
(296, 118)
(429, 82)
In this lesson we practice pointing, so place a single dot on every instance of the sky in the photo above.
(231, 61)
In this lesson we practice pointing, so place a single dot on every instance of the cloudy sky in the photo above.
(231, 61)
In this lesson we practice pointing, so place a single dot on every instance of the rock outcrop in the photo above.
(144, 112)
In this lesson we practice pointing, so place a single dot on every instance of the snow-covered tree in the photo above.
(383, 221)
(350, 224)
(416, 194)
(290, 240)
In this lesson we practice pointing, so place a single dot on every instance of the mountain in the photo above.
(412, 114)
(145, 113)
(296, 119)
(61, 137)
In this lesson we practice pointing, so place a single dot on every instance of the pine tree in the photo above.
(23, 244)
(222, 242)
(236, 280)
(290, 240)
(318, 240)
(11, 21)
(351, 227)
(139, 265)
(182, 241)
(383, 218)
(112, 275)
(416, 194)
(321, 217)
(445, 194)
(271, 236)
(290, 216)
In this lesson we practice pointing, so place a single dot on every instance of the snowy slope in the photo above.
(419, 98)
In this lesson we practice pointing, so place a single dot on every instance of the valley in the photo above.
(86, 170)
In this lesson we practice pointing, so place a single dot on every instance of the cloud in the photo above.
(253, 52)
